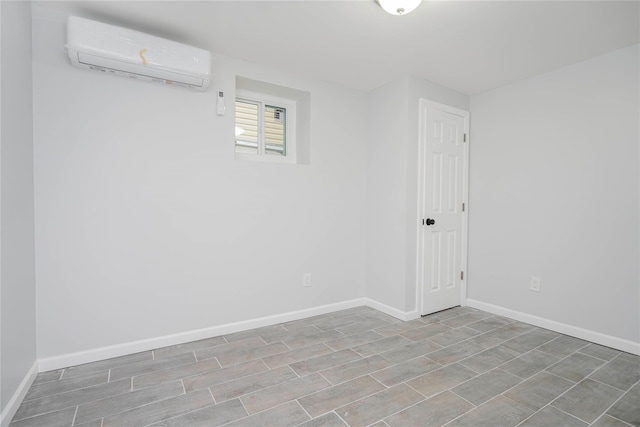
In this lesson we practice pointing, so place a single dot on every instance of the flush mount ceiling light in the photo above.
(398, 7)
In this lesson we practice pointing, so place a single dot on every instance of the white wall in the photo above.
(392, 187)
(386, 196)
(17, 280)
(147, 226)
(554, 194)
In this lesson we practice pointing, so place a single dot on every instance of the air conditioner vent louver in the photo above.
(119, 51)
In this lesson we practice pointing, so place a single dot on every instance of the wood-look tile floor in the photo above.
(356, 367)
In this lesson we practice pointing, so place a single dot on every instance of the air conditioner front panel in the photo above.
(144, 72)
(121, 51)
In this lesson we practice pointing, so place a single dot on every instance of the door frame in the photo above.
(422, 170)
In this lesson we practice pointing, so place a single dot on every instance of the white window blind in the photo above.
(260, 128)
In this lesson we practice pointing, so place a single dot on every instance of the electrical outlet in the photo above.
(534, 285)
(306, 279)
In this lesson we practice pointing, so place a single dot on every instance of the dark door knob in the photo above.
(430, 221)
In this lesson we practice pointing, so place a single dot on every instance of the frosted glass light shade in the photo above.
(399, 7)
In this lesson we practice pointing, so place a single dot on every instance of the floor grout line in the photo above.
(574, 385)
(369, 317)
(75, 414)
(618, 399)
(617, 419)
(305, 410)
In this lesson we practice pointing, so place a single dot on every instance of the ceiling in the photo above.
(468, 46)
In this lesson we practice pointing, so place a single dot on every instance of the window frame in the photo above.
(263, 100)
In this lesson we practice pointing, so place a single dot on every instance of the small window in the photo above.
(264, 127)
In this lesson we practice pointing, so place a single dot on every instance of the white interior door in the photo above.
(442, 240)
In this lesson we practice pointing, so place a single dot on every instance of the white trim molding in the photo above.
(563, 328)
(391, 311)
(94, 355)
(17, 398)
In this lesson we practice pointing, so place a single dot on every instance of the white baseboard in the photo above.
(94, 355)
(14, 403)
(391, 311)
(574, 331)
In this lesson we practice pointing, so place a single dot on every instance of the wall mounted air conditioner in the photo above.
(119, 51)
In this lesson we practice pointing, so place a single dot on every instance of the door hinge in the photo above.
(462, 207)
(465, 138)
(462, 275)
